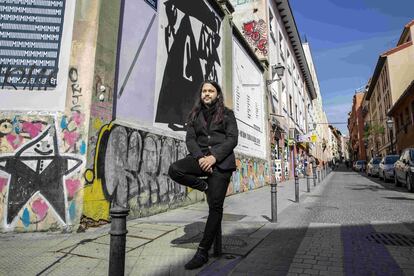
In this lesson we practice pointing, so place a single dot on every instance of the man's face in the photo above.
(208, 94)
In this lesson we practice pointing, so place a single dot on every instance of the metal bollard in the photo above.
(319, 176)
(307, 183)
(118, 239)
(296, 188)
(314, 176)
(273, 197)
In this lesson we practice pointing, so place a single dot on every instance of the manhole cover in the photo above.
(393, 239)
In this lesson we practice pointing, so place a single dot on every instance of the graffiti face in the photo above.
(6, 127)
(44, 147)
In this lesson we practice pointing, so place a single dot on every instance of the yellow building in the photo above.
(393, 74)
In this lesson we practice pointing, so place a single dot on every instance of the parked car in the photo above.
(360, 165)
(404, 169)
(386, 167)
(373, 166)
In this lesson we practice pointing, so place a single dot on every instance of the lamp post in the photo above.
(279, 70)
(390, 124)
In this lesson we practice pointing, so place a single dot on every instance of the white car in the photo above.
(373, 166)
(386, 167)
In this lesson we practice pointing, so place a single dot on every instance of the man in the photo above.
(211, 137)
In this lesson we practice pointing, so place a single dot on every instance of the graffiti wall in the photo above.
(40, 165)
(175, 45)
(140, 160)
(45, 90)
(35, 41)
(251, 173)
(250, 18)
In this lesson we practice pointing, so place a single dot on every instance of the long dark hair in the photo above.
(219, 114)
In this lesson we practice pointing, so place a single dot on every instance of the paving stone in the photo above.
(311, 271)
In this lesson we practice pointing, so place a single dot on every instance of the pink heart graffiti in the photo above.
(40, 208)
(72, 186)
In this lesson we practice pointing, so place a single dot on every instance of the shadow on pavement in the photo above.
(357, 249)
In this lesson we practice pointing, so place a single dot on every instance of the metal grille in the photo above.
(393, 239)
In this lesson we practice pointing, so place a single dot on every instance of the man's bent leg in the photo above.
(187, 172)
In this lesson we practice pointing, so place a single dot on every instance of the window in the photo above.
(281, 48)
(290, 106)
(296, 112)
(271, 26)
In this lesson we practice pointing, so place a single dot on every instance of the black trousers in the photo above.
(187, 172)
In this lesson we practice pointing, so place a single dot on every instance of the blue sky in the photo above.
(346, 39)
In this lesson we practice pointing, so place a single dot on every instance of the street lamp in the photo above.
(277, 69)
(390, 124)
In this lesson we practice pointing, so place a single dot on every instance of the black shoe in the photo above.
(199, 259)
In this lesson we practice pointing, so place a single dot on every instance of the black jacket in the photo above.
(218, 140)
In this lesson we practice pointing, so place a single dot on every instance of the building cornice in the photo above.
(405, 31)
(289, 23)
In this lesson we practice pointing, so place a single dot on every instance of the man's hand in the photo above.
(206, 163)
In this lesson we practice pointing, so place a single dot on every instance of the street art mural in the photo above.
(139, 160)
(190, 53)
(250, 174)
(250, 18)
(37, 182)
(35, 41)
(256, 35)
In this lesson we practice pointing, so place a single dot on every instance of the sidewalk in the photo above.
(156, 245)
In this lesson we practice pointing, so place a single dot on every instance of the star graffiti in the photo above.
(37, 167)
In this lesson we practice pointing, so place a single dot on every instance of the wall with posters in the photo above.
(162, 59)
(35, 40)
(46, 75)
(248, 100)
(189, 51)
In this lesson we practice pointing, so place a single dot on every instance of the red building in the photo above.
(356, 128)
